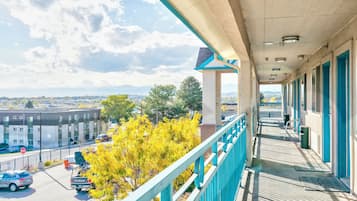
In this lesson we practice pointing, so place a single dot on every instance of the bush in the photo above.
(47, 163)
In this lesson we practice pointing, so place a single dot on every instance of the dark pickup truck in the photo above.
(81, 183)
(78, 181)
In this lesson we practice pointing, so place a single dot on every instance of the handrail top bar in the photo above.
(155, 185)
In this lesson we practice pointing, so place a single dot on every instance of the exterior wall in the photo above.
(1, 133)
(342, 41)
(91, 130)
(55, 127)
(65, 139)
(17, 135)
(49, 136)
(314, 121)
(81, 132)
(36, 136)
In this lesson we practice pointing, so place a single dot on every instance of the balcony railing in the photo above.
(218, 162)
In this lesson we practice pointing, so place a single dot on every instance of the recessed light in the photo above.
(268, 43)
(280, 59)
(301, 57)
(290, 39)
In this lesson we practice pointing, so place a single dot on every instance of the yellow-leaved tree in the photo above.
(139, 151)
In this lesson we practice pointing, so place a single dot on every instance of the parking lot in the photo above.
(51, 184)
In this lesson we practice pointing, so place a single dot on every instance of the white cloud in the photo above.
(17, 78)
(74, 27)
(152, 1)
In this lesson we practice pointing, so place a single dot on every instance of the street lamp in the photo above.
(40, 165)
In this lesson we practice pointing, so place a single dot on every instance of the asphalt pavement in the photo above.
(52, 184)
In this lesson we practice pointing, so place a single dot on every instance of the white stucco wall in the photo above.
(18, 135)
(81, 137)
(1, 133)
(341, 42)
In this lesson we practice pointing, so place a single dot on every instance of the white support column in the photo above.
(211, 103)
(258, 100)
(245, 103)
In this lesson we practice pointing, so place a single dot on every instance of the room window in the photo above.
(316, 92)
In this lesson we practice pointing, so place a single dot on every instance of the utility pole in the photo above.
(40, 165)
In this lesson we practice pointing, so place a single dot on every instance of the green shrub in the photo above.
(48, 163)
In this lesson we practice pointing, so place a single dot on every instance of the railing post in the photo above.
(166, 194)
(230, 130)
(215, 152)
(224, 139)
(199, 170)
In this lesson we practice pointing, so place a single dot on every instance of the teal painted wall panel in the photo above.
(343, 133)
(326, 136)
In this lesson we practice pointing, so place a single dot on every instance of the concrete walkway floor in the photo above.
(283, 171)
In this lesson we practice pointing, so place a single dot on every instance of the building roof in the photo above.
(56, 110)
(203, 54)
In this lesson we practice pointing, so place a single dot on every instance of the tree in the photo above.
(117, 107)
(159, 102)
(191, 94)
(29, 104)
(138, 153)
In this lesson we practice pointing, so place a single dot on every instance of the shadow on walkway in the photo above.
(281, 170)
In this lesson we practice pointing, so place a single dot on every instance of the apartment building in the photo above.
(55, 127)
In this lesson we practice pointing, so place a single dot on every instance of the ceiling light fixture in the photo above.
(268, 43)
(290, 39)
(301, 57)
(280, 59)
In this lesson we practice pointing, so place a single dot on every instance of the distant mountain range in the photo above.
(63, 92)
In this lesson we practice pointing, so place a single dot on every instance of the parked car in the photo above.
(4, 146)
(15, 148)
(13, 180)
(102, 138)
(79, 181)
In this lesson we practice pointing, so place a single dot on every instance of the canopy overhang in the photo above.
(219, 24)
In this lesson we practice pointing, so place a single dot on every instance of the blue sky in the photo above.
(91, 47)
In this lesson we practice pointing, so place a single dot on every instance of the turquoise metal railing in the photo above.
(218, 162)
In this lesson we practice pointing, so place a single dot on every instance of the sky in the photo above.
(93, 47)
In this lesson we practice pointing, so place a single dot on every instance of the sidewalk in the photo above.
(283, 171)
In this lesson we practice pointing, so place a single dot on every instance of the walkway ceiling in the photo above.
(315, 21)
(238, 29)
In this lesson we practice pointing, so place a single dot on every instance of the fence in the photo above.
(31, 161)
(218, 163)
